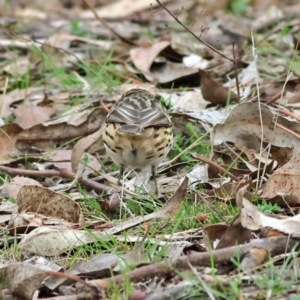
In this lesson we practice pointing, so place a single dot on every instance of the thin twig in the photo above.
(236, 72)
(64, 173)
(105, 24)
(289, 114)
(193, 34)
(213, 164)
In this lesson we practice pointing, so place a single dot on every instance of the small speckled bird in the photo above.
(138, 132)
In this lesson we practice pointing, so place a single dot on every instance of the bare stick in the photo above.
(236, 73)
(215, 165)
(105, 24)
(193, 34)
(64, 173)
(275, 246)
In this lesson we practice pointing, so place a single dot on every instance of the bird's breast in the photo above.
(137, 151)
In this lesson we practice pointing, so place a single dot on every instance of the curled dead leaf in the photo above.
(214, 92)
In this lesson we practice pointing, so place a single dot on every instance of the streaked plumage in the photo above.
(138, 131)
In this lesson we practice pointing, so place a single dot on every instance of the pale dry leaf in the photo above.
(243, 128)
(207, 117)
(48, 241)
(247, 78)
(14, 96)
(253, 219)
(143, 57)
(4, 219)
(102, 265)
(18, 67)
(74, 116)
(7, 207)
(44, 201)
(198, 175)
(170, 71)
(22, 222)
(63, 40)
(187, 101)
(271, 14)
(285, 181)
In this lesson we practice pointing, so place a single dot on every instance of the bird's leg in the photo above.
(153, 168)
(121, 174)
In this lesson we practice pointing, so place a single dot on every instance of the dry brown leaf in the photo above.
(83, 145)
(235, 234)
(243, 128)
(229, 190)
(14, 96)
(17, 182)
(92, 167)
(58, 155)
(28, 116)
(212, 235)
(66, 128)
(44, 201)
(284, 181)
(120, 9)
(214, 92)
(8, 136)
(22, 279)
(268, 233)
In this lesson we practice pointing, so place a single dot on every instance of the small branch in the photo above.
(289, 114)
(193, 34)
(275, 246)
(105, 24)
(274, 98)
(64, 173)
(213, 164)
(236, 73)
